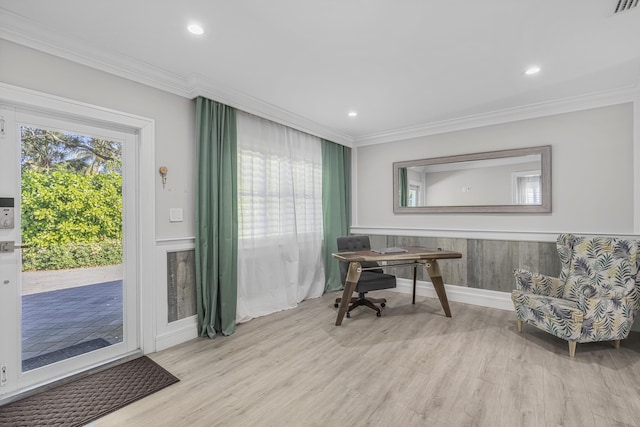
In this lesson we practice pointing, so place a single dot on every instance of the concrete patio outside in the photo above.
(42, 281)
(70, 312)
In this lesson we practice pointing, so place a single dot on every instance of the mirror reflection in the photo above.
(499, 181)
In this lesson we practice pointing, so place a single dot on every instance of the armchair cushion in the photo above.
(373, 281)
(557, 316)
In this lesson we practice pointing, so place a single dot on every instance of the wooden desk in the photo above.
(413, 256)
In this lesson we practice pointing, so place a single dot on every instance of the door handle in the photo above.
(8, 246)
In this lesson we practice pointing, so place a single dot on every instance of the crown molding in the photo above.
(531, 111)
(19, 29)
(203, 87)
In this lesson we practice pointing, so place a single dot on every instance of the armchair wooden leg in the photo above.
(616, 344)
(572, 349)
(519, 324)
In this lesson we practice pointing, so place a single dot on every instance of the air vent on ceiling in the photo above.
(624, 5)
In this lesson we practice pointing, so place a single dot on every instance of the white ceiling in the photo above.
(400, 64)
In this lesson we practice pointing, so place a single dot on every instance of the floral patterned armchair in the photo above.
(596, 297)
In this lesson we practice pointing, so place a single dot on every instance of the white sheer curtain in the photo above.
(279, 217)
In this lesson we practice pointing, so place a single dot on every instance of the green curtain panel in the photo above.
(336, 205)
(404, 188)
(216, 218)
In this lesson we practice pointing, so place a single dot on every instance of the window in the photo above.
(527, 188)
(413, 198)
(278, 195)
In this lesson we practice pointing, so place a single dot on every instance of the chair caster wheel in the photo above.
(379, 314)
(336, 305)
(382, 304)
(348, 315)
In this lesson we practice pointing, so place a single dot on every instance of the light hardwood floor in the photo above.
(410, 367)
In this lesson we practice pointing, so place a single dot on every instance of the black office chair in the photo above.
(370, 280)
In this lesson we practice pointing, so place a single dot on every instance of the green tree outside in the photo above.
(71, 201)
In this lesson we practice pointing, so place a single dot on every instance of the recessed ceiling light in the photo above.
(532, 70)
(352, 114)
(195, 29)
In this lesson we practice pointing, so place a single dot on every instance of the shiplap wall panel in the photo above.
(485, 264)
(181, 285)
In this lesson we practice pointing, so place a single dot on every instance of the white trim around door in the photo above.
(143, 129)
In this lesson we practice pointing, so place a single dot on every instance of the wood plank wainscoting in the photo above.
(485, 264)
(181, 284)
(176, 319)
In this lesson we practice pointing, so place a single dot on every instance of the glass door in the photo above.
(71, 229)
(77, 291)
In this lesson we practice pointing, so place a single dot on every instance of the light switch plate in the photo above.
(175, 215)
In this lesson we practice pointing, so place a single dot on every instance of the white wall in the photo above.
(592, 174)
(174, 120)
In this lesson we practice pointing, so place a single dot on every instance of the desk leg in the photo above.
(436, 279)
(350, 285)
(415, 272)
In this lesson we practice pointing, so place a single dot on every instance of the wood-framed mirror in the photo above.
(506, 181)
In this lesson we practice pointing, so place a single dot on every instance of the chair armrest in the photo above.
(538, 284)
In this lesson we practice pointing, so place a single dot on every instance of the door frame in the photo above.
(67, 109)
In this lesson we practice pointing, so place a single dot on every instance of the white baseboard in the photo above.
(177, 333)
(481, 297)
